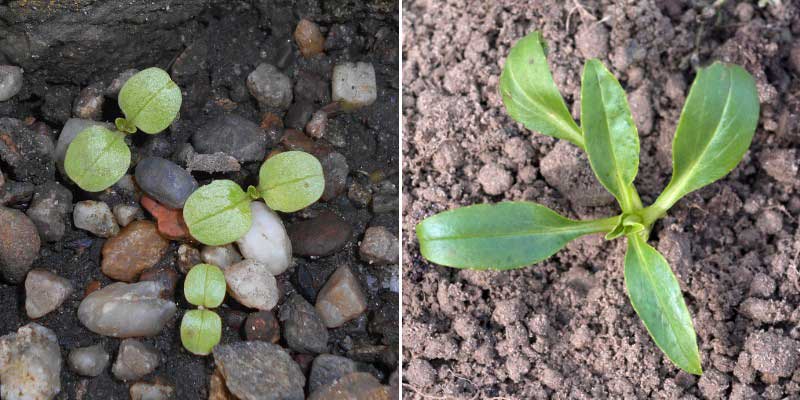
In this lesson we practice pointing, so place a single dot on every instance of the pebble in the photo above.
(137, 247)
(19, 244)
(266, 241)
(270, 86)
(72, 128)
(251, 284)
(335, 169)
(385, 203)
(217, 162)
(116, 85)
(359, 194)
(89, 103)
(232, 135)
(89, 361)
(299, 114)
(14, 192)
(165, 181)
(50, 205)
(379, 246)
(30, 364)
(126, 310)
(134, 360)
(318, 124)
(354, 85)
(95, 217)
(302, 326)
(258, 370)
(152, 391)
(327, 368)
(221, 256)
(44, 292)
(341, 299)
(356, 385)
(188, 257)
(217, 389)
(165, 275)
(125, 214)
(320, 236)
(309, 38)
(169, 222)
(10, 81)
(262, 325)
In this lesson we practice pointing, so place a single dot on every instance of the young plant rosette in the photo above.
(715, 130)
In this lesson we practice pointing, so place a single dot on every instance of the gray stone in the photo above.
(72, 128)
(335, 169)
(126, 310)
(89, 103)
(327, 368)
(10, 81)
(221, 256)
(259, 370)
(251, 284)
(379, 246)
(353, 85)
(95, 217)
(165, 181)
(270, 86)
(341, 299)
(89, 361)
(19, 244)
(134, 360)
(385, 203)
(299, 114)
(232, 135)
(44, 292)
(125, 214)
(49, 208)
(151, 391)
(30, 364)
(303, 329)
(217, 162)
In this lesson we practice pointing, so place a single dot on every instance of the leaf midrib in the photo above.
(290, 181)
(149, 100)
(102, 153)
(223, 210)
(575, 229)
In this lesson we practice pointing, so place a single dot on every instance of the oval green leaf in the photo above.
(530, 95)
(205, 286)
(656, 296)
(97, 158)
(291, 181)
(610, 135)
(150, 100)
(201, 330)
(218, 213)
(715, 130)
(501, 236)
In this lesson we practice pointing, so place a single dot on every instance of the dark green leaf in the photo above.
(218, 213)
(610, 135)
(656, 297)
(530, 95)
(201, 330)
(502, 236)
(97, 158)
(716, 127)
(150, 101)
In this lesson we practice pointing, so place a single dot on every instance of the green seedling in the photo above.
(97, 158)
(201, 329)
(715, 130)
(219, 213)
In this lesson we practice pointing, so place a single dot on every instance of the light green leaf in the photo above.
(150, 100)
(610, 135)
(97, 158)
(501, 236)
(218, 213)
(716, 127)
(201, 330)
(205, 286)
(291, 181)
(530, 95)
(657, 299)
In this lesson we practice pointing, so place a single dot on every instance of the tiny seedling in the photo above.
(97, 158)
(219, 213)
(201, 329)
(714, 131)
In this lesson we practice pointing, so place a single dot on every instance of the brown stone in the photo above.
(341, 299)
(356, 385)
(263, 326)
(170, 222)
(217, 389)
(166, 275)
(320, 236)
(137, 247)
(309, 39)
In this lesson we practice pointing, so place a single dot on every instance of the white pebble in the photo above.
(354, 85)
(95, 217)
(266, 241)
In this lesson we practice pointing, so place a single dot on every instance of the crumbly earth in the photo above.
(564, 328)
(213, 45)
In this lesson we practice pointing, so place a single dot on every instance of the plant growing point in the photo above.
(714, 131)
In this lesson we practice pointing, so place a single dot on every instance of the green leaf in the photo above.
(502, 236)
(657, 299)
(530, 95)
(218, 213)
(716, 127)
(205, 286)
(201, 330)
(611, 139)
(150, 100)
(97, 158)
(291, 181)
